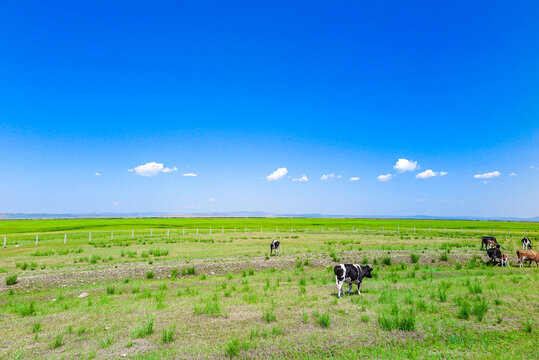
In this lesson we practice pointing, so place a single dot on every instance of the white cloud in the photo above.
(152, 169)
(115, 203)
(303, 178)
(403, 165)
(355, 178)
(277, 174)
(327, 176)
(189, 174)
(513, 174)
(532, 167)
(339, 176)
(488, 175)
(426, 174)
(443, 173)
(212, 199)
(384, 178)
(97, 174)
(485, 182)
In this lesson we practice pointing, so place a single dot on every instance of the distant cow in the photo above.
(529, 255)
(275, 247)
(351, 274)
(494, 254)
(488, 242)
(526, 244)
(505, 260)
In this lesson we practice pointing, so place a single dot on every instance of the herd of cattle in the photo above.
(355, 273)
(495, 254)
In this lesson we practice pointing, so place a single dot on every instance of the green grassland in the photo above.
(170, 295)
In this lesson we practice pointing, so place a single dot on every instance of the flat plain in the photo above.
(208, 288)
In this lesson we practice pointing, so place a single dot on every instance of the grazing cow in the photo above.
(275, 247)
(351, 274)
(488, 242)
(526, 244)
(530, 255)
(505, 260)
(494, 254)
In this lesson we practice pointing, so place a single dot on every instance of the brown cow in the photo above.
(505, 260)
(530, 255)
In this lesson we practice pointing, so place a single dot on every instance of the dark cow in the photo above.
(526, 244)
(275, 247)
(494, 254)
(351, 274)
(488, 242)
(530, 255)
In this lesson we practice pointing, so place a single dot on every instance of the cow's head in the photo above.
(367, 271)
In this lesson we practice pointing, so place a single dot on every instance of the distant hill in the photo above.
(11, 216)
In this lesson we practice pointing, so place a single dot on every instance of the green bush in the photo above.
(208, 306)
(386, 261)
(168, 335)
(11, 279)
(414, 258)
(143, 330)
(57, 342)
(150, 274)
(269, 316)
(322, 319)
(232, 347)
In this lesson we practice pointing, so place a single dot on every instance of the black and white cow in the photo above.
(275, 247)
(526, 244)
(351, 274)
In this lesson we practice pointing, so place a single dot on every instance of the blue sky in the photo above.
(233, 91)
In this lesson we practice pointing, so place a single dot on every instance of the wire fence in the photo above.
(160, 234)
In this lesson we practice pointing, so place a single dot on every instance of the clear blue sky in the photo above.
(233, 90)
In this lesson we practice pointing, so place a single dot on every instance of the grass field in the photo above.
(171, 295)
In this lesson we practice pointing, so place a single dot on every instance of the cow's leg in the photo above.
(358, 288)
(339, 286)
(350, 289)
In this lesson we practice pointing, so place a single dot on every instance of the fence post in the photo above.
(223, 230)
(234, 230)
(383, 230)
(210, 230)
(65, 238)
(291, 229)
(276, 230)
(352, 229)
(509, 232)
(168, 232)
(246, 229)
(444, 228)
(90, 237)
(112, 235)
(183, 231)
(4, 241)
(476, 230)
(526, 232)
(197, 231)
(492, 231)
(261, 229)
(414, 229)
(398, 229)
(151, 232)
(461, 229)
(429, 228)
(132, 233)
(37, 236)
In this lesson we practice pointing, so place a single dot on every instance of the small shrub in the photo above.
(475, 288)
(365, 318)
(444, 257)
(232, 347)
(110, 290)
(150, 274)
(27, 309)
(11, 279)
(191, 270)
(464, 310)
(36, 328)
(168, 335)
(143, 330)
(322, 319)
(269, 316)
(414, 258)
(174, 273)
(386, 261)
(479, 309)
(209, 306)
(528, 326)
(57, 342)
